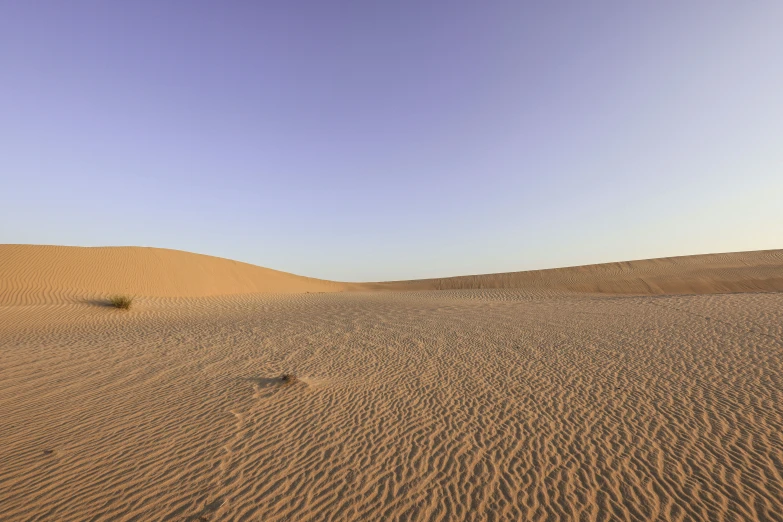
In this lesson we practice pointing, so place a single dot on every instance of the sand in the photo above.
(648, 390)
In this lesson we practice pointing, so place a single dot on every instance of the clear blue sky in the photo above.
(390, 140)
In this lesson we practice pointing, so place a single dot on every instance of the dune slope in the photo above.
(36, 274)
(760, 271)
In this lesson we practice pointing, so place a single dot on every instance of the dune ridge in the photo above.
(38, 274)
(757, 271)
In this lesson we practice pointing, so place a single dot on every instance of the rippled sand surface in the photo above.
(493, 404)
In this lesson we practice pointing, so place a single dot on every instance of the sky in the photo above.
(365, 140)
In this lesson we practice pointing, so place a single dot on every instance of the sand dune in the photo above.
(44, 274)
(760, 271)
(548, 395)
(33, 274)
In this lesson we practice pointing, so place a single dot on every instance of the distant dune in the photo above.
(34, 274)
(760, 271)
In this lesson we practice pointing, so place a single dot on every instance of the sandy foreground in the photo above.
(647, 390)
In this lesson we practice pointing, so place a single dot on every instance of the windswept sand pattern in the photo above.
(455, 405)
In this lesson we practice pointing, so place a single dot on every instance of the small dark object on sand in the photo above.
(48, 451)
(288, 378)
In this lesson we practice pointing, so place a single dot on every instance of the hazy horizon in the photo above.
(361, 142)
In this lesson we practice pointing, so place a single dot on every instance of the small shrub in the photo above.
(123, 302)
(288, 378)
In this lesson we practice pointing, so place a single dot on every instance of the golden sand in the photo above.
(646, 390)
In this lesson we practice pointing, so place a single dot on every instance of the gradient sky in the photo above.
(391, 140)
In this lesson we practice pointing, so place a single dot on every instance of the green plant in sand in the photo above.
(123, 302)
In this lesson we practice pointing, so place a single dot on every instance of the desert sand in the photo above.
(643, 390)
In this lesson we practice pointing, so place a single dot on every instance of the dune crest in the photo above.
(759, 271)
(38, 274)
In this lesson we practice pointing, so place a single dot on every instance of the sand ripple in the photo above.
(462, 405)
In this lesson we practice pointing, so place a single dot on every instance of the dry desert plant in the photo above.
(123, 302)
